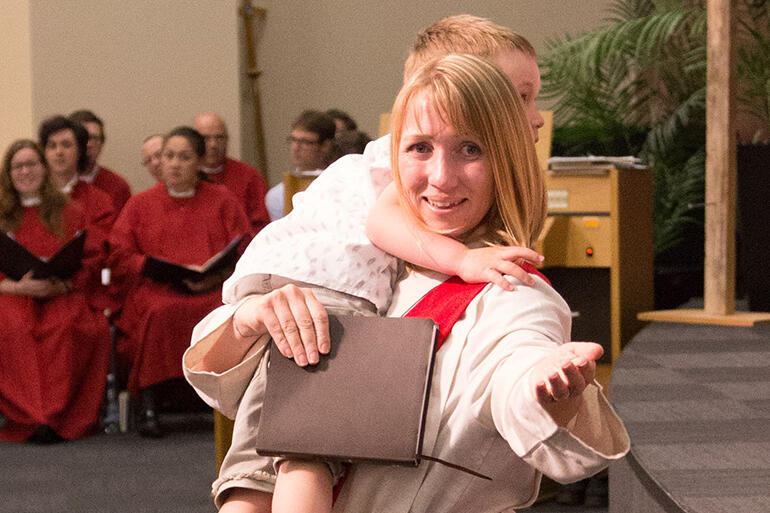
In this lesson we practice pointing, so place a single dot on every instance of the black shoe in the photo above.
(45, 435)
(148, 425)
(572, 494)
(597, 492)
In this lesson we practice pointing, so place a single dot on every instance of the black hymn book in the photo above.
(16, 260)
(164, 271)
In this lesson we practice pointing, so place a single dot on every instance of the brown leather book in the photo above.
(364, 401)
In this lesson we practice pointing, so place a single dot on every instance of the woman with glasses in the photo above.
(55, 349)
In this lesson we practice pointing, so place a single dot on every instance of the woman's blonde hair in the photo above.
(51, 200)
(474, 97)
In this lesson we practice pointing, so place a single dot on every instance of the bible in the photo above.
(364, 401)
(164, 271)
(16, 260)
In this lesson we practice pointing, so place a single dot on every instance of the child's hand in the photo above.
(494, 262)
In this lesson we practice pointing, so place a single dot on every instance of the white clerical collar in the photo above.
(67, 189)
(30, 202)
(90, 176)
(213, 170)
(189, 193)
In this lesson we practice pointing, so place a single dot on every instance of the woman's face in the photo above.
(446, 176)
(180, 164)
(61, 152)
(27, 172)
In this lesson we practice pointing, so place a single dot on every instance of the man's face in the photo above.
(61, 152)
(307, 153)
(95, 142)
(215, 133)
(151, 151)
(524, 74)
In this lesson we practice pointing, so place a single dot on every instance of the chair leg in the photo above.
(111, 422)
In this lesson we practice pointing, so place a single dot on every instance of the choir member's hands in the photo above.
(560, 378)
(29, 286)
(210, 282)
(492, 263)
(293, 317)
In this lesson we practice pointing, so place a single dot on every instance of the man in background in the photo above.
(97, 175)
(151, 149)
(311, 143)
(239, 177)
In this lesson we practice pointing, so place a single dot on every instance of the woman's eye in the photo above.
(418, 148)
(471, 150)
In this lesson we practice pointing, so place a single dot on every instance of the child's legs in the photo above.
(244, 500)
(243, 470)
(303, 486)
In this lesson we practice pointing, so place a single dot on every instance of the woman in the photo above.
(182, 220)
(509, 398)
(55, 349)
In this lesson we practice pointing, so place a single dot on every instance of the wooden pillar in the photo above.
(719, 264)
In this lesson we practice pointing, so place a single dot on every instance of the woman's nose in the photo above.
(441, 173)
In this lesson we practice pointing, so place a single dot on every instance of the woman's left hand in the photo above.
(560, 378)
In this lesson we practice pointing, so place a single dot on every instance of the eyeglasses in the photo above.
(21, 165)
(301, 141)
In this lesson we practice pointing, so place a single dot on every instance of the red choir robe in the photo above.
(98, 206)
(101, 215)
(54, 353)
(114, 185)
(156, 322)
(249, 187)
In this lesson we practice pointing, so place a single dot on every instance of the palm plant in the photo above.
(637, 86)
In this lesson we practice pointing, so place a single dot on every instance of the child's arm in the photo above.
(393, 230)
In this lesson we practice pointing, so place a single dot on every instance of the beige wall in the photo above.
(15, 73)
(147, 65)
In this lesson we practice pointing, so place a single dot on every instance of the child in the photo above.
(323, 244)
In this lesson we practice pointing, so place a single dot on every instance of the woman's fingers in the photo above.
(320, 321)
(566, 373)
(298, 324)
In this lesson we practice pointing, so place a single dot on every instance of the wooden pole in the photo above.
(719, 264)
(249, 14)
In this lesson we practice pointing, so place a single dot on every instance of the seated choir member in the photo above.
(65, 143)
(103, 178)
(242, 179)
(184, 220)
(151, 148)
(55, 349)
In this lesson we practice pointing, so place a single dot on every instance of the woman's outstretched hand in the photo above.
(491, 264)
(560, 378)
(293, 317)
